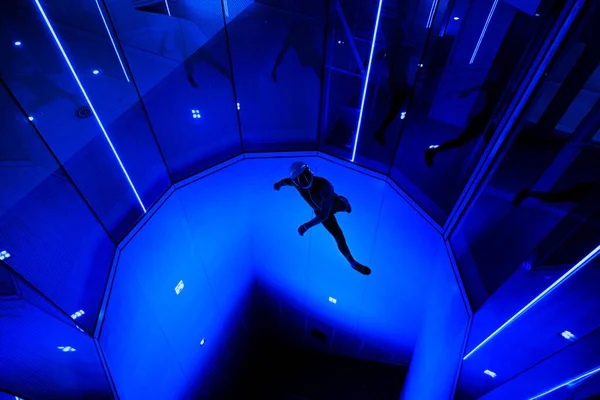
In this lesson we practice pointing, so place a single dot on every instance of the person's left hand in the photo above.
(302, 230)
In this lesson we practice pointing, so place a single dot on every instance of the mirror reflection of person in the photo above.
(185, 9)
(298, 38)
(319, 194)
(492, 90)
(398, 56)
(573, 194)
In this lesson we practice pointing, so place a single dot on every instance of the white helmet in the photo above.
(301, 175)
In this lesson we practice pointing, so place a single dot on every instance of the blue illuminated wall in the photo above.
(230, 230)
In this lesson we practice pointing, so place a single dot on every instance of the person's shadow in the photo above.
(182, 9)
(298, 38)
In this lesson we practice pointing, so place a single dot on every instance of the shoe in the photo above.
(361, 268)
(522, 195)
(429, 154)
(380, 137)
(348, 206)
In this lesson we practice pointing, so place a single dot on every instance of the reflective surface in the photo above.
(44, 353)
(528, 248)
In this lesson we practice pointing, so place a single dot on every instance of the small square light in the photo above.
(4, 255)
(568, 335)
(202, 341)
(456, 18)
(490, 373)
(179, 287)
(332, 300)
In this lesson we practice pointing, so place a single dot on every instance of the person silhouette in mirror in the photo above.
(297, 38)
(397, 56)
(319, 194)
(573, 194)
(492, 91)
(186, 10)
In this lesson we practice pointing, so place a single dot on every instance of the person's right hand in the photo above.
(276, 186)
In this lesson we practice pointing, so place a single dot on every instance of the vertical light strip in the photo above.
(366, 84)
(43, 14)
(434, 4)
(550, 288)
(112, 41)
(483, 31)
(168, 9)
(579, 378)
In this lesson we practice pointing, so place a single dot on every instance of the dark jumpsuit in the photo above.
(321, 197)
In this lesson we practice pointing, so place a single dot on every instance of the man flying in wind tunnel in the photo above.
(320, 196)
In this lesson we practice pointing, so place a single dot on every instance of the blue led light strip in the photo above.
(112, 41)
(431, 14)
(43, 14)
(579, 378)
(550, 288)
(366, 84)
(483, 31)
(168, 9)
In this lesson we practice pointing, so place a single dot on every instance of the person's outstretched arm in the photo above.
(283, 182)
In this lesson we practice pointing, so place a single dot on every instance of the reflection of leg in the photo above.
(395, 107)
(573, 194)
(475, 128)
(207, 57)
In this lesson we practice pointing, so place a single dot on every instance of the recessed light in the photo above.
(537, 15)
(332, 300)
(490, 373)
(77, 314)
(66, 349)
(4, 255)
(179, 287)
(568, 335)
(456, 18)
(30, 118)
(17, 43)
(95, 72)
(202, 341)
(196, 113)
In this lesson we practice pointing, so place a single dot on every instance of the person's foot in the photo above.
(192, 81)
(348, 206)
(361, 268)
(380, 137)
(522, 195)
(430, 154)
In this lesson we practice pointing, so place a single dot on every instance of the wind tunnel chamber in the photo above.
(145, 254)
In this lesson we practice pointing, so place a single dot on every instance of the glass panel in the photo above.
(54, 240)
(554, 328)
(179, 61)
(67, 103)
(472, 63)
(277, 53)
(44, 355)
(541, 203)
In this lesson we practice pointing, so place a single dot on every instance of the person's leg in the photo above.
(340, 203)
(395, 108)
(334, 228)
(573, 194)
(473, 130)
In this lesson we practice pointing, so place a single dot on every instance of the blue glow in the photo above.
(456, 18)
(30, 118)
(580, 377)
(366, 85)
(51, 29)
(202, 342)
(17, 43)
(483, 31)
(431, 14)
(168, 9)
(112, 41)
(95, 72)
(533, 302)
